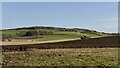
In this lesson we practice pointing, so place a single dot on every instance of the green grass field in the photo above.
(62, 57)
(59, 35)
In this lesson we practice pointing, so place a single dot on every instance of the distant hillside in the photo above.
(54, 28)
(42, 33)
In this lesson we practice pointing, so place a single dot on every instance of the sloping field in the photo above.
(111, 41)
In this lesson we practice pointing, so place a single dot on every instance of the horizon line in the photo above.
(53, 26)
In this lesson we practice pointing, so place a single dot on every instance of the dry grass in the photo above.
(34, 41)
(63, 57)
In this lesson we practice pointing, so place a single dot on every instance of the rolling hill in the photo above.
(41, 33)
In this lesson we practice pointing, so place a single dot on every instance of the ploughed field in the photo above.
(62, 57)
(103, 42)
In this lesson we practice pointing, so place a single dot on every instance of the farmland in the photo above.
(105, 56)
(62, 57)
(40, 34)
(103, 42)
(51, 46)
(49, 33)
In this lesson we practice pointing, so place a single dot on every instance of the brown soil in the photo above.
(111, 41)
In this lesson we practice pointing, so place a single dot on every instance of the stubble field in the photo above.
(62, 57)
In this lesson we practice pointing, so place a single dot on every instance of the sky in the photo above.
(0, 15)
(100, 16)
(60, 0)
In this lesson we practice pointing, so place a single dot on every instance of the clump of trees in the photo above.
(67, 30)
(38, 33)
(84, 37)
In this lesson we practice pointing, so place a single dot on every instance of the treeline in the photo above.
(67, 30)
(49, 28)
(53, 28)
(38, 33)
(35, 27)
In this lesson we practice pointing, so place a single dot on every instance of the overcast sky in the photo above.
(100, 16)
